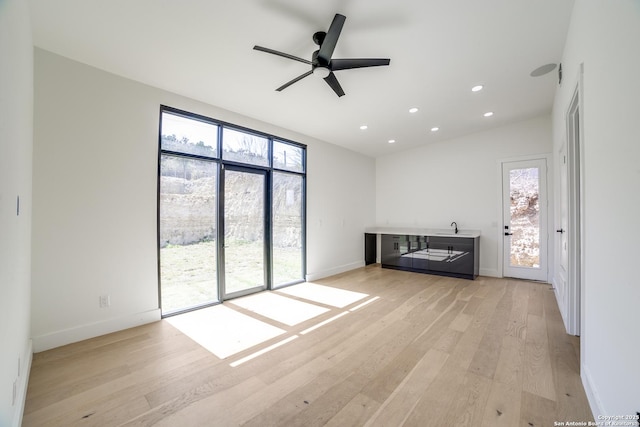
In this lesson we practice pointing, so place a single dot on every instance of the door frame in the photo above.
(547, 157)
(575, 226)
(224, 296)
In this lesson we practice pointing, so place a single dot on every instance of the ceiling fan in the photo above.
(321, 62)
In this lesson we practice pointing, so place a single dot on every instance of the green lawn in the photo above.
(188, 272)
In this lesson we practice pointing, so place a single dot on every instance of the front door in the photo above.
(244, 224)
(524, 203)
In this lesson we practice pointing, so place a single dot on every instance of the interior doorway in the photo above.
(524, 207)
(570, 266)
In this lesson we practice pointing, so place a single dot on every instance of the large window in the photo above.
(187, 232)
(287, 235)
(231, 211)
(243, 147)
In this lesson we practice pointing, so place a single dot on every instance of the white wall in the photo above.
(340, 204)
(457, 180)
(16, 143)
(95, 177)
(605, 37)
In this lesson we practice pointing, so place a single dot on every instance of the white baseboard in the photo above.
(91, 330)
(333, 271)
(23, 382)
(592, 393)
(490, 272)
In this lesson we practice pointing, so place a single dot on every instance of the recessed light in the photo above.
(363, 127)
(392, 141)
(477, 88)
(488, 114)
(435, 129)
(413, 110)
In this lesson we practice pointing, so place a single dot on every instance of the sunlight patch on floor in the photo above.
(314, 327)
(263, 351)
(324, 294)
(281, 309)
(367, 302)
(223, 331)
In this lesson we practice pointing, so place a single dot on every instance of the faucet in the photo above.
(456, 229)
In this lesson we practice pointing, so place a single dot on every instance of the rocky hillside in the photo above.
(188, 205)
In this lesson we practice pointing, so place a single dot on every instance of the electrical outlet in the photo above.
(105, 301)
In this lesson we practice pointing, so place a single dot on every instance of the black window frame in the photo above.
(221, 163)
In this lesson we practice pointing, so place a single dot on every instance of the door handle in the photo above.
(560, 231)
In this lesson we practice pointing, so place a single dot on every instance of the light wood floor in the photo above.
(432, 351)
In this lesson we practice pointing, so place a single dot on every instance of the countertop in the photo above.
(423, 232)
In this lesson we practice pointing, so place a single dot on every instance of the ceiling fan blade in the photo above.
(346, 64)
(333, 82)
(284, 55)
(331, 39)
(300, 77)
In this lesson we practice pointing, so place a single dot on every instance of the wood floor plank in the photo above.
(430, 351)
(462, 321)
(69, 389)
(473, 304)
(448, 340)
(535, 306)
(323, 407)
(503, 405)
(356, 413)
(393, 373)
(510, 365)
(538, 375)
(571, 400)
(201, 406)
(485, 359)
(432, 407)
(282, 397)
(404, 398)
(517, 323)
(64, 368)
(468, 404)
(537, 411)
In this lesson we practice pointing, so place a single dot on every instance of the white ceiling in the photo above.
(439, 49)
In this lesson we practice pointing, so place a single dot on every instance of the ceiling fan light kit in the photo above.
(322, 63)
(322, 72)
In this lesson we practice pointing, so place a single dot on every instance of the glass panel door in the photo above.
(244, 221)
(187, 233)
(524, 205)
